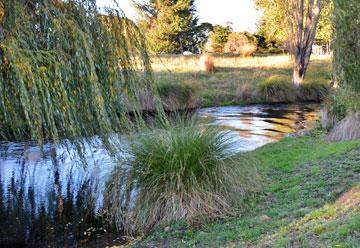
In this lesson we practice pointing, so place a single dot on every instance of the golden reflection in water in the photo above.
(258, 125)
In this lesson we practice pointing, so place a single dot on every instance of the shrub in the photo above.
(182, 172)
(241, 44)
(277, 89)
(342, 101)
(178, 96)
(313, 91)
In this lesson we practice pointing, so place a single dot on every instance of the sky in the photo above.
(241, 13)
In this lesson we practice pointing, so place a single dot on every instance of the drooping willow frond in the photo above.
(68, 70)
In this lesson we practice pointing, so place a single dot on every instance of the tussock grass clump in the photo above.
(277, 89)
(328, 120)
(247, 92)
(346, 129)
(343, 105)
(182, 172)
(313, 91)
(178, 96)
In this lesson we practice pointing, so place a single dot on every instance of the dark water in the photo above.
(250, 127)
(54, 178)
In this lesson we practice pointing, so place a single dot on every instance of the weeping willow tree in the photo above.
(347, 44)
(68, 70)
(344, 104)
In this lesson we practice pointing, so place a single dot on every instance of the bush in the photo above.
(241, 44)
(342, 101)
(217, 39)
(178, 96)
(182, 172)
(314, 91)
(277, 89)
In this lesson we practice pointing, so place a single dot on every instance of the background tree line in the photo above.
(172, 26)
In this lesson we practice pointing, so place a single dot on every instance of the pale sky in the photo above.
(241, 13)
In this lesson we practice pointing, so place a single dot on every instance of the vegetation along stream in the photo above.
(43, 182)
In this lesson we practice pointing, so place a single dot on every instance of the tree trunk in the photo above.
(302, 35)
(300, 64)
(298, 76)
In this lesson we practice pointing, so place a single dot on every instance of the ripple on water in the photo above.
(249, 128)
(254, 126)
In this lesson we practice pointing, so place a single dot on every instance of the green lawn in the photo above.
(304, 178)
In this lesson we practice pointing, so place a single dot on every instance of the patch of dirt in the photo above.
(349, 199)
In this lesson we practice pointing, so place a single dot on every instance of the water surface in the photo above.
(250, 127)
(254, 126)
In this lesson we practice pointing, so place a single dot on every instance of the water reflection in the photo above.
(253, 126)
(47, 193)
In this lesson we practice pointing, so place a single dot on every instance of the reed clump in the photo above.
(179, 96)
(313, 91)
(182, 172)
(277, 89)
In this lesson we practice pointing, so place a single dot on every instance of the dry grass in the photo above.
(327, 119)
(232, 73)
(347, 129)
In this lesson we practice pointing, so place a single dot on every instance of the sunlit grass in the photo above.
(300, 207)
(233, 74)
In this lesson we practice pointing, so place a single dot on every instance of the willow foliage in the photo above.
(347, 43)
(68, 70)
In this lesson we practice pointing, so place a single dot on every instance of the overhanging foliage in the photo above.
(68, 70)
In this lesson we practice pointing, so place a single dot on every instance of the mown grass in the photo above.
(232, 74)
(306, 175)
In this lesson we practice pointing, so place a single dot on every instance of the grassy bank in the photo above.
(236, 79)
(301, 207)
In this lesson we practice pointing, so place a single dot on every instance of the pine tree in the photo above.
(170, 25)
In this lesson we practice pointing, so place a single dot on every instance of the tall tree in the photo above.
(296, 23)
(67, 72)
(302, 30)
(325, 29)
(170, 25)
(273, 24)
